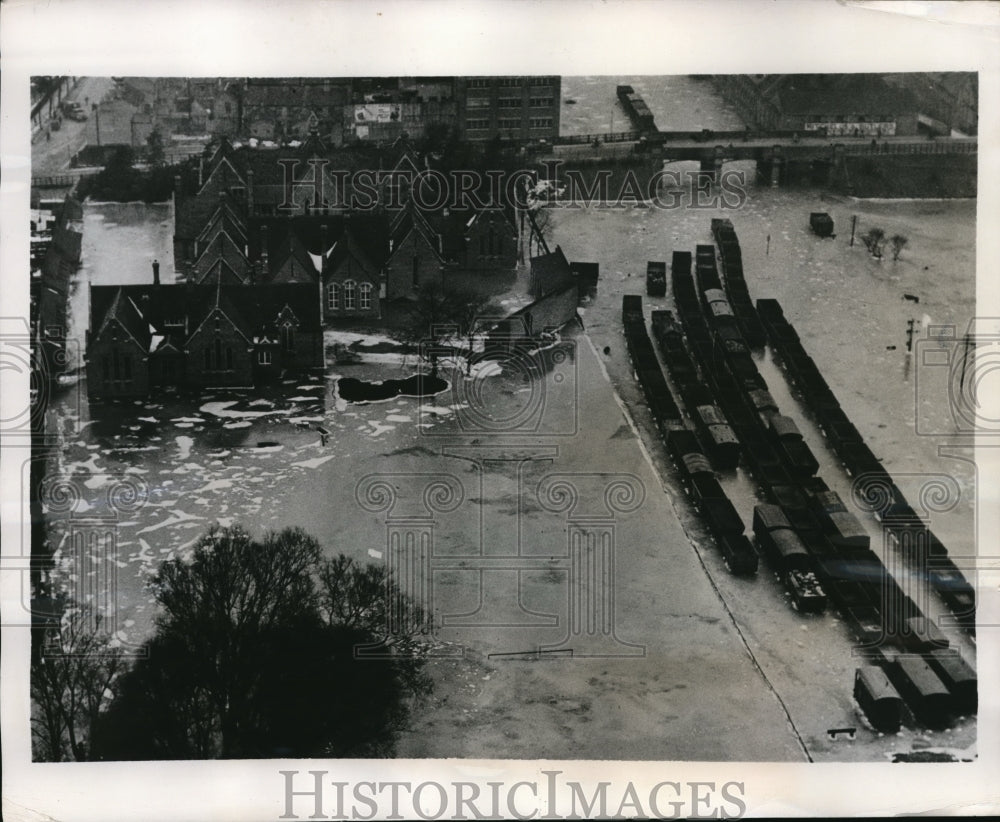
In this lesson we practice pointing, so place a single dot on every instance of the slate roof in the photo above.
(145, 309)
(222, 253)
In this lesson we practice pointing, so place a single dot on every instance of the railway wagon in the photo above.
(683, 447)
(841, 526)
(922, 635)
(706, 490)
(866, 623)
(922, 690)
(959, 678)
(705, 268)
(764, 404)
(656, 279)
(777, 540)
(878, 700)
(789, 440)
(632, 309)
(738, 554)
(788, 555)
(719, 440)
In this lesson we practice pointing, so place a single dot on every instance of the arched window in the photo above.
(287, 337)
(333, 297)
(350, 295)
(366, 296)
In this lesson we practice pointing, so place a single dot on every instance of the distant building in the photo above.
(145, 337)
(849, 105)
(233, 227)
(283, 108)
(948, 100)
(515, 108)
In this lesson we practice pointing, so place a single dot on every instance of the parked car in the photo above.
(74, 110)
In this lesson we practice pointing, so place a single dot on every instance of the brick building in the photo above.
(515, 108)
(145, 337)
(241, 222)
(850, 105)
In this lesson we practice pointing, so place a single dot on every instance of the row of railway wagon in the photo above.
(804, 531)
(636, 108)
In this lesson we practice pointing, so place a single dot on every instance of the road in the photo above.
(50, 155)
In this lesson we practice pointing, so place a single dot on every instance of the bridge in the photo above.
(772, 151)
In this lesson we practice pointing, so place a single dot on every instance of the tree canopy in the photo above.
(263, 648)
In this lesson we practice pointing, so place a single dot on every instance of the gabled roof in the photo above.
(221, 302)
(253, 310)
(411, 219)
(124, 312)
(349, 258)
(223, 176)
(225, 219)
(220, 257)
(294, 265)
(315, 235)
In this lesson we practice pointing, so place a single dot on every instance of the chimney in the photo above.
(156, 272)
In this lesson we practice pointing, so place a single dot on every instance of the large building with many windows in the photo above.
(514, 108)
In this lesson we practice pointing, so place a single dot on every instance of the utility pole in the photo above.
(854, 224)
(965, 361)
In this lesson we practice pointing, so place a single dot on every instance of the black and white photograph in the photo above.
(491, 436)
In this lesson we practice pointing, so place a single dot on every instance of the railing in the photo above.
(610, 137)
(57, 180)
(928, 147)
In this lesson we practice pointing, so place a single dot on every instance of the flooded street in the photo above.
(495, 480)
(678, 103)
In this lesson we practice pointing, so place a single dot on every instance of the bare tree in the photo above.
(437, 310)
(874, 240)
(71, 685)
(898, 242)
(256, 654)
(367, 597)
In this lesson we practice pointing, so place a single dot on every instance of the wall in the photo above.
(98, 387)
(244, 359)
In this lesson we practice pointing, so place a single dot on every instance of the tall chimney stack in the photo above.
(156, 272)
